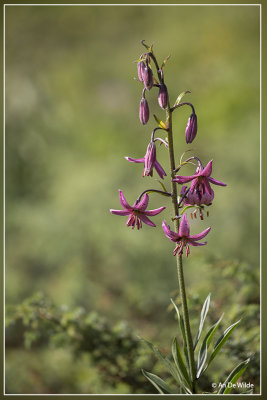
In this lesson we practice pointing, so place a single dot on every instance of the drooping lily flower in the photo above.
(197, 197)
(200, 181)
(149, 161)
(183, 238)
(137, 213)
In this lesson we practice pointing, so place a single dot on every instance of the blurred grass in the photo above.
(71, 117)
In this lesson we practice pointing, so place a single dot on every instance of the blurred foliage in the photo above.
(71, 116)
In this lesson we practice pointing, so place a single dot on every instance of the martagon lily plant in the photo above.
(191, 357)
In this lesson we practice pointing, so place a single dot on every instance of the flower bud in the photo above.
(140, 69)
(150, 159)
(143, 111)
(191, 128)
(147, 76)
(163, 96)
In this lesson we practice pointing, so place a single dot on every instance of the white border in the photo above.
(123, 5)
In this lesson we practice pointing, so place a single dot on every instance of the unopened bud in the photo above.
(191, 128)
(147, 76)
(163, 96)
(143, 111)
(140, 69)
(150, 159)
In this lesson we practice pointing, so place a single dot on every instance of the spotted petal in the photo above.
(173, 236)
(136, 160)
(184, 229)
(216, 182)
(120, 212)
(154, 212)
(207, 170)
(184, 179)
(142, 205)
(146, 220)
(200, 235)
(124, 202)
(159, 169)
(192, 243)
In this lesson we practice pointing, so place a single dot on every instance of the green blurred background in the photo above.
(71, 116)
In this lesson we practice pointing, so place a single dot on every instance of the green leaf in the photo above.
(162, 185)
(233, 377)
(222, 340)
(179, 98)
(168, 364)
(203, 352)
(203, 315)
(164, 61)
(159, 384)
(161, 124)
(181, 324)
(186, 208)
(179, 362)
(212, 331)
(202, 355)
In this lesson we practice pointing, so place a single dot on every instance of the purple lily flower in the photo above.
(183, 238)
(149, 161)
(201, 181)
(137, 213)
(197, 197)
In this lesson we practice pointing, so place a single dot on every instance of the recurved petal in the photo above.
(154, 212)
(136, 160)
(146, 220)
(216, 182)
(206, 184)
(184, 229)
(173, 236)
(193, 243)
(207, 170)
(142, 205)
(159, 169)
(124, 202)
(200, 235)
(120, 212)
(184, 179)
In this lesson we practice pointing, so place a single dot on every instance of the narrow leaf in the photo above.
(181, 324)
(161, 124)
(162, 185)
(179, 98)
(203, 315)
(222, 340)
(179, 362)
(180, 320)
(186, 208)
(202, 356)
(233, 377)
(203, 352)
(159, 384)
(164, 61)
(168, 364)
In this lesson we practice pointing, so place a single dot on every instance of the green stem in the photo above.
(189, 341)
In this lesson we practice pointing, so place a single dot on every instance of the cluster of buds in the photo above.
(146, 77)
(198, 195)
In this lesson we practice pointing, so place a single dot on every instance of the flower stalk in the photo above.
(179, 260)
